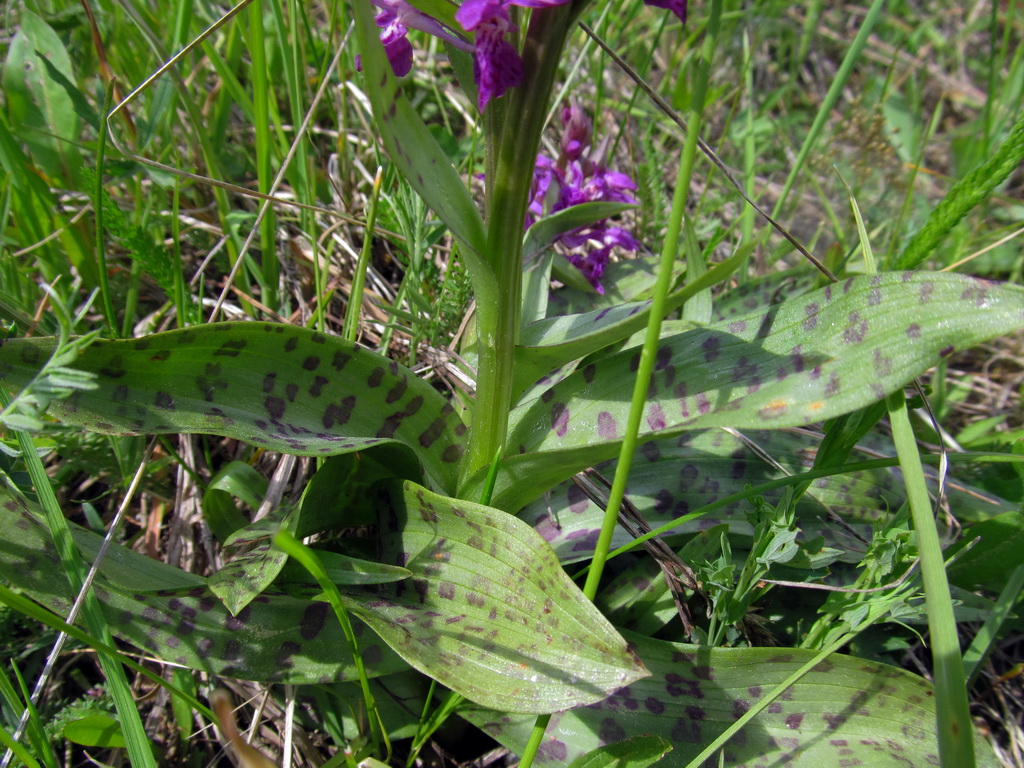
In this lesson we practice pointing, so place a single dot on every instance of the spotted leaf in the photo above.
(275, 386)
(252, 562)
(830, 352)
(556, 341)
(672, 477)
(175, 616)
(845, 712)
(488, 610)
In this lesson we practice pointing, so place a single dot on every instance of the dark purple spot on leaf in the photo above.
(396, 392)
(340, 360)
(317, 386)
(164, 401)
(560, 419)
(606, 426)
(275, 407)
(376, 377)
(655, 417)
(311, 363)
(231, 348)
(432, 432)
(811, 316)
(339, 414)
(711, 347)
(313, 619)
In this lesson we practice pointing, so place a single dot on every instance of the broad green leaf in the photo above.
(547, 344)
(234, 479)
(489, 612)
(994, 557)
(637, 752)
(673, 477)
(275, 386)
(845, 712)
(345, 570)
(173, 615)
(827, 353)
(763, 292)
(94, 731)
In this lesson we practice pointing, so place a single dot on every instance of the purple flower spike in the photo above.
(579, 176)
(678, 7)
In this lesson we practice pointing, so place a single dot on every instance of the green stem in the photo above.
(954, 728)
(668, 255)
(510, 166)
(350, 330)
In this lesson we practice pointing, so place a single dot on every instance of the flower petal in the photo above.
(496, 65)
(678, 7)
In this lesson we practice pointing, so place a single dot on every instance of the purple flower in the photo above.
(576, 137)
(496, 64)
(578, 176)
(396, 18)
(678, 7)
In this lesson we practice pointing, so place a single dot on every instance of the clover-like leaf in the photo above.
(846, 711)
(275, 386)
(488, 611)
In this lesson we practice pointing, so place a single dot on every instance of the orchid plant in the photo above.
(472, 503)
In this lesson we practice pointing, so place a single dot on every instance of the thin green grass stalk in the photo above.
(810, 28)
(136, 741)
(350, 330)
(988, 635)
(749, 156)
(647, 355)
(308, 560)
(180, 301)
(301, 167)
(20, 704)
(101, 250)
(954, 726)
(669, 253)
(831, 97)
(953, 717)
(964, 196)
(870, 267)
(262, 90)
